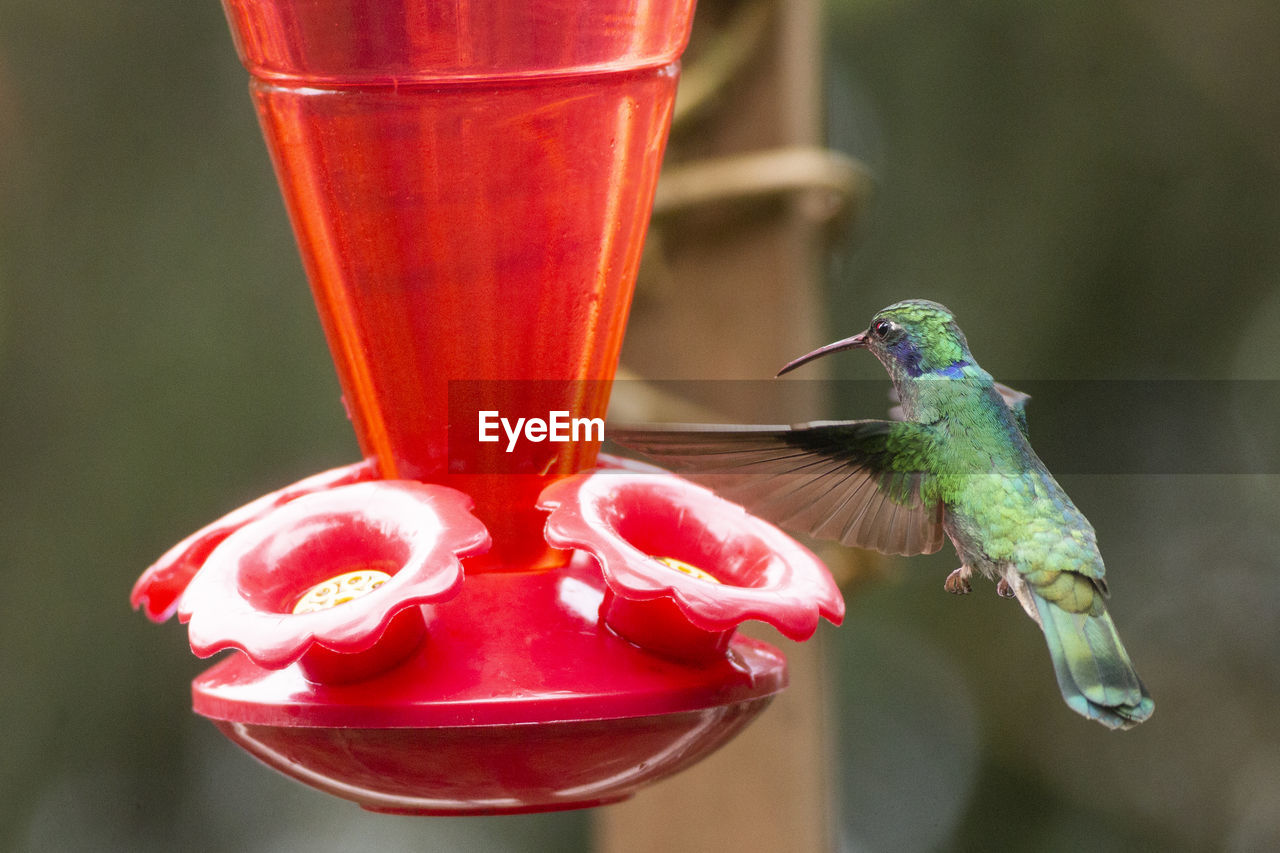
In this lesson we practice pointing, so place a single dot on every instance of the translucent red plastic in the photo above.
(467, 213)
(245, 595)
(345, 42)
(517, 701)
(469, 183)
(627, 518)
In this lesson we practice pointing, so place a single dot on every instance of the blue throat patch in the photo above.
(954, 370)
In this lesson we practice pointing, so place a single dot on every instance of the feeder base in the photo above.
(518, 700)
(491, 770)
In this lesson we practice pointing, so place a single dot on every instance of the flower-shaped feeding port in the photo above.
(335, 579)
(684, 568)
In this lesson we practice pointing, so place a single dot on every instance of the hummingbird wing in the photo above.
(860, 483)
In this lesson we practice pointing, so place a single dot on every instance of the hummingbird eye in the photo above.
(881, 328)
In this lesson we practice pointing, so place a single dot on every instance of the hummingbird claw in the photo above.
(1004, 590)
(957, 582)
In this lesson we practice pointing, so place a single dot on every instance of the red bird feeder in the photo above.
(482, 617)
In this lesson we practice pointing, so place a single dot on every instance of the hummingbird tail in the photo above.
(1093, 669)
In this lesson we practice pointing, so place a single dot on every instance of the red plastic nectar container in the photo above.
(470, 183)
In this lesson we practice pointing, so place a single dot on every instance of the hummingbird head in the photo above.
(910, 338)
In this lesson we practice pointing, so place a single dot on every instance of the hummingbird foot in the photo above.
(1004, 590)
(957, 582)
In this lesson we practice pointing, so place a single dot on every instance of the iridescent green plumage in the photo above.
(959, 464)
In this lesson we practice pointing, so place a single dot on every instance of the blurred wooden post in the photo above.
(738, 294)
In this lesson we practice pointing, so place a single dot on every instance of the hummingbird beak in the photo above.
(858, 341)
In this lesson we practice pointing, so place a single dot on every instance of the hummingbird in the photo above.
(958, 464)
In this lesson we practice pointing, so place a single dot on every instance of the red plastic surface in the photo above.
(244, 596)
(375, 41)
(626, 519)
(511, 648)
(470, 191)
(488, 770)
(469, 183)
(517, 701)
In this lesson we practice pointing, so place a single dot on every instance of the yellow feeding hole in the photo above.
(684, 568)
(340, 589)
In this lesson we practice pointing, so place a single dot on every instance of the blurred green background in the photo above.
(1093, 187)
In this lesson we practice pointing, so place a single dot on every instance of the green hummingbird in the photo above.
(958, 463)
